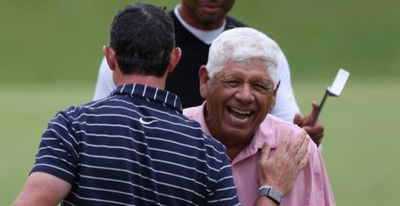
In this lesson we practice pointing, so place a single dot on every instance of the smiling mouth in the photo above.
(241, 115)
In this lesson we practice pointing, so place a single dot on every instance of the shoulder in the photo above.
(278, 124)
(232, 23)
(281, 127)
(84, 111)
(77, 110)
(274, 129)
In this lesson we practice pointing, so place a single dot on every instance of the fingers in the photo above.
(294, 148)
(264, 152)
(316, 133)
(299, 148)
(298, 119)
(315, 105)
(283, 145)
(310, 118)
(304, 161)
(302, 151)
(317, 138)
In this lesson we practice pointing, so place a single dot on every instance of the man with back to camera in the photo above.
(197, 23)
(239, 84)
(135, 147)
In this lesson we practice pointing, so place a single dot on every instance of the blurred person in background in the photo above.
(197, 23)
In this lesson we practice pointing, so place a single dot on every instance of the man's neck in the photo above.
(152, 81)
(233, 148)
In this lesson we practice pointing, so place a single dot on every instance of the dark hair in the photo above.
(142, 36)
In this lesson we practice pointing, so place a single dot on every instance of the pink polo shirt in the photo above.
(311, 187)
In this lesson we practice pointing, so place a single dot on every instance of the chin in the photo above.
(238, 134)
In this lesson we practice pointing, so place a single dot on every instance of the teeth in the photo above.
(241, 111)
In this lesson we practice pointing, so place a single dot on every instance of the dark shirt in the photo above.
(184, 80)
(135, 148)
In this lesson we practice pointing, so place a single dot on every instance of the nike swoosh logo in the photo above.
(142, 121)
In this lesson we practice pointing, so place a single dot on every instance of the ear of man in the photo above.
(109, 54)
(174, 60)
(272, 105)
(203, 75)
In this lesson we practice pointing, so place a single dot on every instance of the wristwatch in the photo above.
(271, 193)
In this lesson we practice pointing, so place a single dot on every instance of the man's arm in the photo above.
(280, 170)
(55, 167)
(42, 189)
(105, 83)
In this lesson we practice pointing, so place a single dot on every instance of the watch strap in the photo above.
(271, 193)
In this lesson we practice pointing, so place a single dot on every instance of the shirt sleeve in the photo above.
(57, 154)
(286, 105)
(105, 83)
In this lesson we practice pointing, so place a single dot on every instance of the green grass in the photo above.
(361, 139)
(360, 143)
(25, 111)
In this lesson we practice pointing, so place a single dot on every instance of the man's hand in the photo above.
(281, 169)
(316, 131)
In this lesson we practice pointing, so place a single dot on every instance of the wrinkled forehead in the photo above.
(249, 65)
(250, 71)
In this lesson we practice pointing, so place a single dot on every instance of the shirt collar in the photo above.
(163, 96)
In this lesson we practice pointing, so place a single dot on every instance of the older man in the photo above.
(239, 84)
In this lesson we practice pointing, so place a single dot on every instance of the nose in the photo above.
(244, 94)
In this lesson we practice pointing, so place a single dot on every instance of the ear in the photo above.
(174, 60)
(203, 77)
(109, 53)
(274, 96)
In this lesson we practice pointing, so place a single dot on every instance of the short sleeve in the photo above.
(58, 153)
(223, 191)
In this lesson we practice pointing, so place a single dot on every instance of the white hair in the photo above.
(241, 44)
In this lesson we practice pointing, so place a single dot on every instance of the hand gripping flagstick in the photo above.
(334, 90)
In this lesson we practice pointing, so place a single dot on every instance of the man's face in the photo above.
(237, 100)
(207, 12)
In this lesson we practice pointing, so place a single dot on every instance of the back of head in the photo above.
(142, 36)
(241, 44)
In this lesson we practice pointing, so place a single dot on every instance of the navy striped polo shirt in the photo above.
(135, 148)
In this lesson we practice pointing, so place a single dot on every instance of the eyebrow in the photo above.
(258, 78)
